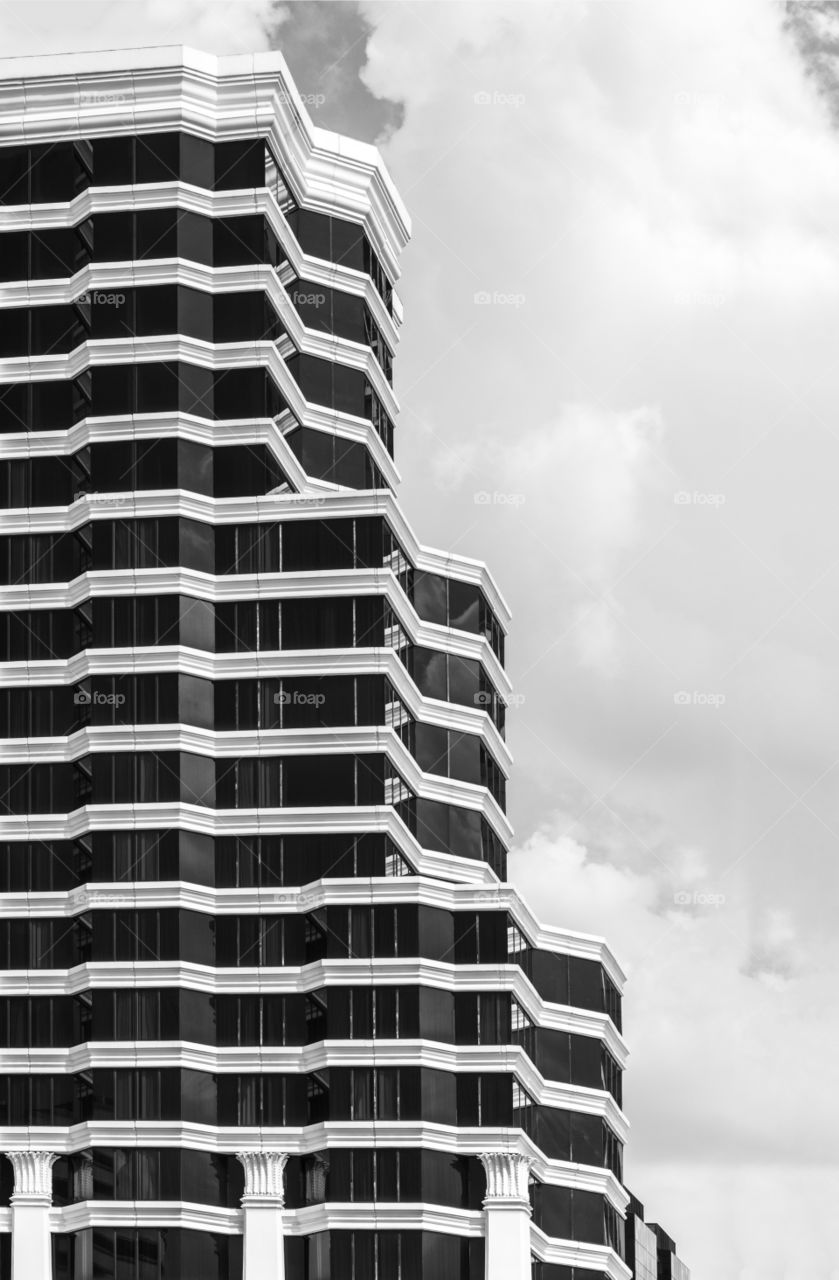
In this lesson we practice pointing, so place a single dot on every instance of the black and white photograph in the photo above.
(419, 639)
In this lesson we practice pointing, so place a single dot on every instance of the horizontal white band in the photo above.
(308, 585)
(344, 503)
(247, 665)
(313, 1138)
(217, 99)
(113, 276)
(218, 356)
(293, 979)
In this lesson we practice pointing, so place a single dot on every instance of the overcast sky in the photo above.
(639, 431)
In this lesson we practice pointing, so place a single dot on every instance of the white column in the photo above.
(264, 1255)
(507, 1208)
(31, 1203)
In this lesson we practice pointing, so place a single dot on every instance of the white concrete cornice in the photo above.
(586, 1257)
(207, 355)
(216, 281)
(248, 95)
(319, 1056)
(209, 204)
(445, 867)
(248, 586)
(146, 1213)
(290, 980)
(461, 1140)
(252, 431)
(296, 1060)
(262, 743)
(243, 666)
(348, 821)
(281, 506)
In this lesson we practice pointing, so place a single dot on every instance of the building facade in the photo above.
(268, 1005)
(650, 1251)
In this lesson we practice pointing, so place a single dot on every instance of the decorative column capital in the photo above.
(508, 1173)
(263, 1177)
(33, 1176)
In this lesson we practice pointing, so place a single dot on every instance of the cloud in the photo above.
(54, 26)
(719, 1049)
(581, 488)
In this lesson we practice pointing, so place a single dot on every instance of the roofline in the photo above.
(58, 109)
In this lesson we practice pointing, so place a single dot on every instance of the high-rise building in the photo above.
(268, 1005)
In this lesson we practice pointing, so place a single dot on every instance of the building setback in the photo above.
(650, 1251)
(269, 1005)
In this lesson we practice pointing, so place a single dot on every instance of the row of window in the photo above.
(226, 862)
(224, 705)
(346, 1175)
(181, 311)
(59, 171)
(177, 310)
(239, 705)
(343, 1175)
(178, 387)
(137, 1253)
(54, 253)
(60, 252)
(556, 1271)
(171, 777)
(365, 542)
(153, 387)
(342, 1094)
(380, 931)
(243, 627)
(126, 466)
(334, 1013)
(265, 547)
(146, 1253)
(273, 782)
(152, 934)
(59, 328)
(466, 937)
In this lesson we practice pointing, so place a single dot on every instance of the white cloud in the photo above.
(55, 26)
(581, 487)
(665, 200)
(718, 1052)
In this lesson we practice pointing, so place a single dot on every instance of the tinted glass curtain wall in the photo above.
(263, 975)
